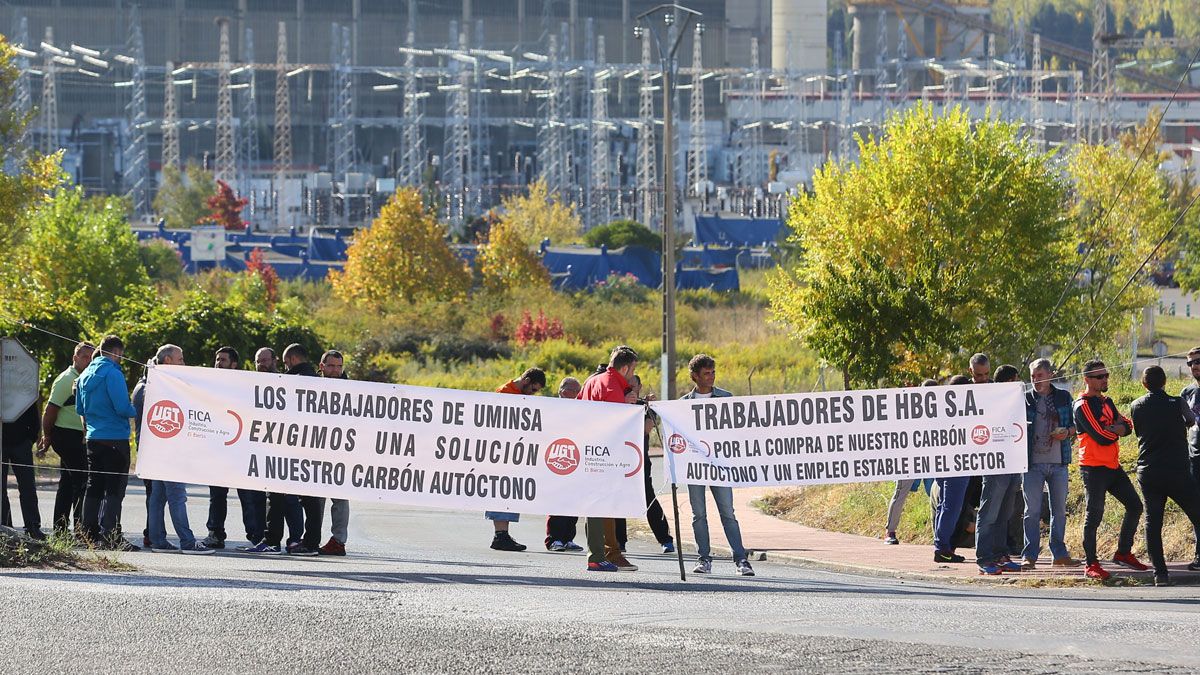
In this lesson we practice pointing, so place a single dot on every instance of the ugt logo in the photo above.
(562, 456)
(165, 419)
(677, 444)
(981, 435)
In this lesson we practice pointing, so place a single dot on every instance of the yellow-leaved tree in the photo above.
(540, 215)
(508, 258)
(402, 255)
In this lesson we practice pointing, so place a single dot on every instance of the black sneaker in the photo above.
(1194, 565)
(122, 545)
(1162, 580)
(36, 535)
(300, 549)
(214, 541)
(947, 557)
(504, 542)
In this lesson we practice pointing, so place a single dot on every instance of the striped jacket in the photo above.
(1097, 445)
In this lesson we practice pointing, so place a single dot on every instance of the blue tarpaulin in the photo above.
(571, 268)
(736, 230)
(577, 268)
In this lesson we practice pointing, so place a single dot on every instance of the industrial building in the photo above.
(315, 110)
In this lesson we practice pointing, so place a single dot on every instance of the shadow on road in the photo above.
(139, 580)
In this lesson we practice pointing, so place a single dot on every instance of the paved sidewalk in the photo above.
(778, 540)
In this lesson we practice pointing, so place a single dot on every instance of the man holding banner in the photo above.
(704, 374)
(530, 383)
(604, 554)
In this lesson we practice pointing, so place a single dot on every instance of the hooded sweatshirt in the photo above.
(103, 401)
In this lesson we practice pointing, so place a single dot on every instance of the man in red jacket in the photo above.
(604, 554)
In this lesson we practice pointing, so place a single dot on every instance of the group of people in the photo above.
(86, 422)
(1168, 467)
(617, 382)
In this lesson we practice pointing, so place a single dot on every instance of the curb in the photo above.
(1119, 579)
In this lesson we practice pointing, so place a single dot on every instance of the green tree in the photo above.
(201, 324)
(80, 251)
(623, 233)
(182, 199)
(947, 234)
(26, 177)
(402, 256)
(1121, 210)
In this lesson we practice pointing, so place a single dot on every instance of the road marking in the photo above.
(441, 579)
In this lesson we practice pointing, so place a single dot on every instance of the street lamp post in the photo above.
(671, 15)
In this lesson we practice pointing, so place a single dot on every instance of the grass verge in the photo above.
(56, 552)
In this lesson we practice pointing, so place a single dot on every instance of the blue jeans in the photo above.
(501, 516)
(1054, 476)
(949, 508)
(991, 523)
(723, 496)
(174, 497)
(254, 514)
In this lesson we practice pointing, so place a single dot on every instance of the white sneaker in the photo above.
(557, 546)
(744, 568)
(572, 547)
(705, 567)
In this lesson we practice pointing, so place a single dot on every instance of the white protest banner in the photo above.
(846, 436)
(407, 445)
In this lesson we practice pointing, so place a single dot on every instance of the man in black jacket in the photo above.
(295, 360)
(19, 437)
(1160, 422)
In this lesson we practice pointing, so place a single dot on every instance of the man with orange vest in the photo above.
(1100, 428)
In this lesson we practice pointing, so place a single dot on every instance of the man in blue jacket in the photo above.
(103, 402)
(704, 374)
(1051, 430)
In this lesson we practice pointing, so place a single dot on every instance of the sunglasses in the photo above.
(1193, 362)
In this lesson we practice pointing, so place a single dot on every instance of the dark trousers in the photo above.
(1195, 460)
(254, 514)
(1157, 486)
(654, 514)
(106, 489)
(254, 507)
(149, 485)
(72, 480)
(281, 508)
(314, 514)
(561, 528)
(20, 459)
(1099, 481)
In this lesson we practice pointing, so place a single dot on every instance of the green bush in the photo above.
(620, 288)
(623, 233)
(162, 261)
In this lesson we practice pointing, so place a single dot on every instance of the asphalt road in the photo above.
(421, 591)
